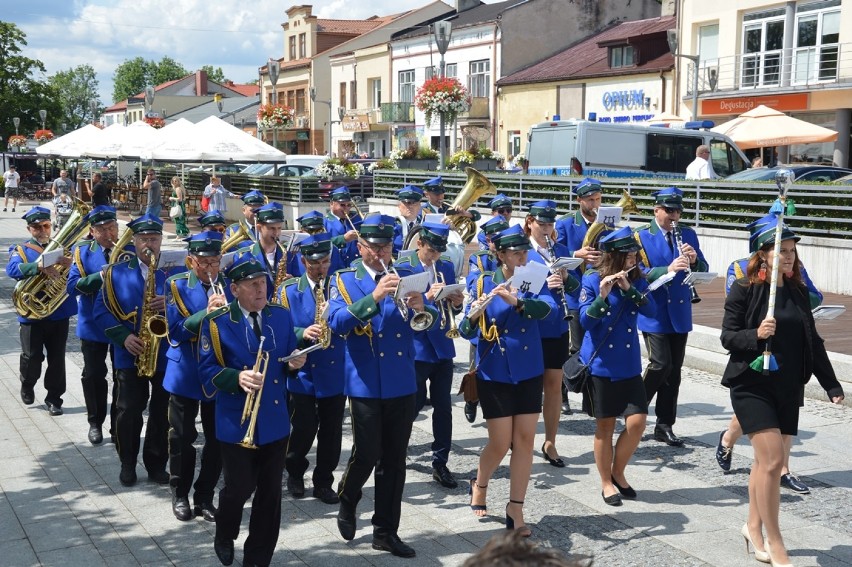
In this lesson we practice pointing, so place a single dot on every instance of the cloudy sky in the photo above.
(237, 35)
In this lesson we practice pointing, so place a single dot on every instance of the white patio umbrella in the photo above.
(71, 144)
(763, 127)
(106, 146)
(214, 140)
(665, 118)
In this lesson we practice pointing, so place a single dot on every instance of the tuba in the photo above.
(628, 206)
(119, 250)
(475, 187)
(237, 238)
(39, 296)
(152, 327)
(325, 333)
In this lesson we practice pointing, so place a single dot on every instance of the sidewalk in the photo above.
(62, 503)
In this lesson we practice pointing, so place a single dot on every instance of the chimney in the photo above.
(669, 8)
(201, 83)
(462, 5)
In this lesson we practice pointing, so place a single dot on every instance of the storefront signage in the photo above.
(356, 123)
(625, 119)
(782, 102)
(302, 136)
(625, 100)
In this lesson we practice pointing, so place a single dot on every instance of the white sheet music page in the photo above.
(530, 278)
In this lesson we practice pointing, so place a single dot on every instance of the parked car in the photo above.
(280, 169)
(802, 173)
(222, 168)
(845, 180)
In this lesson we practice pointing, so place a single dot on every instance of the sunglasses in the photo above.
(220, 229)
(504, 210)
(41, 225)
(671, 211)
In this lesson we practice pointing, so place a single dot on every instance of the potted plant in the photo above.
(487, 159)
(442, 96)
(17, 142)
(274, 116)
(155, 122)
(384, 163)
(522, 162)
(43, 136)
(338, 167)
(415, 156)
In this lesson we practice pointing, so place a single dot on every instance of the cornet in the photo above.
(215, 286)
(446, 308)
(252, 405)
(421, 321)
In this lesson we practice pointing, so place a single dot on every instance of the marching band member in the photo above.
(252, 452)
(501, 205)
(212, 220)
(410, 214)
(119, 311)
(39, 335)
(341, 225)
(267, 250)
(434, 189)
(316, 399)
(510, 365)
(666, 332)
(84, 282)
(190, 296)
(380, 381)
(251, 201)
(538, 227)
(611, 300)
(433, 349)
(313, 222)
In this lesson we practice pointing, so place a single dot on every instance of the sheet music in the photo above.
(415, 283)
(828, 312)
(437, 218)
(448, 290)
(50, 258)
(171, 258)
(306, 350)
(610, 216)
(696, 278)
(567, 263)
(292, 238)
(530, 278)
(405, 254)
(227, 260)
(661, 281)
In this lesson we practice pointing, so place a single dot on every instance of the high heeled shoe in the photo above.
(772, 561)
(761, 556)
(626, 491)
(557, 462)
(476, 507)
(510, 521)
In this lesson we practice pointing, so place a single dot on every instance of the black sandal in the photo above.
(476, 507)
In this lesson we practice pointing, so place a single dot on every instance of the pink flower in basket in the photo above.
(442, 96)
(274, 116)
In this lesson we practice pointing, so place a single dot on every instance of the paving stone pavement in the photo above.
(61, 502)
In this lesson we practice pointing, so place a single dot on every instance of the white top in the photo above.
(11, 179)
(700, 169)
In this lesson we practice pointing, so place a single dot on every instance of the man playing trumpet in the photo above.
(341, 226)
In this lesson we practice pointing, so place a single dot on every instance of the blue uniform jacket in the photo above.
(337, 228)
(118, 308)
(398, 238)
(379, 344)
(322, 374)
(84, 283)
(611, 327)
(519, 355)
(271, 269)
(186, 307)
(674, 310)
(737, 270)
(22, 265)
(480, 261)
(296, 269)
(555, 327)
(432, 344)
(229, 346)
(570, 232)
(482, 240)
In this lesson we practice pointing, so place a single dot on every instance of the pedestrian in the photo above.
(217, 193)
(11, 183)
(99, 192)
(63, 185)
(155, 193)
(701, 168)
(178, 199)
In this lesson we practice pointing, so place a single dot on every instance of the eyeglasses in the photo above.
(41, 225)
(207, 263)
(379, 248)
(504, 210)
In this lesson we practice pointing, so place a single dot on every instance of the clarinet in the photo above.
(693, 294)
(551, 249)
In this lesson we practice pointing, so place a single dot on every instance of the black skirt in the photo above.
(761, 405)
(556, 351)
(612, 398)
(499, 399)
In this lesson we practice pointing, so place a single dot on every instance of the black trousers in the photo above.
(315, 418)
(182, 435)
(248, 471)
(94, 381)
(131, 400)
(440, 377)
(380, 432)
(37, 338)
(662, 376)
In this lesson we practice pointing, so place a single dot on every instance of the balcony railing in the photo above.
(798, 67)
(397, 112)
(478, 108)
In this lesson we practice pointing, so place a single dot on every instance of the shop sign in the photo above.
(626, 100)
(356, 123)
(625, 119)
(302, 136)
(738, 105)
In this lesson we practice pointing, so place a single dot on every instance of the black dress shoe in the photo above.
(96, 436)
(443, 475)
(296, 487)
(613, 500)
(470, 411)
(346, 520)
(665, 434)
(224, 549)
(180, 508)
(724, 454)
(326, 494)
(27, 395)
(160, 477)
(392, 543)
(557, 462)
(53, 409)
(626, 491)
(206, 510)
(127, 477)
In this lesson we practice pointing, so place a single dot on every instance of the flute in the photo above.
(613, 277)
(478, 306)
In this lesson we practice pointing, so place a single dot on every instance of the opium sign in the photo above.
(613, 100)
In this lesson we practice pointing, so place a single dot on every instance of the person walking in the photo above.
(178, 198)
(11, 183)
(155, 193)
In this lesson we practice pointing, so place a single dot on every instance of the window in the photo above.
(480, 78)
(817, 36)
(303, 46)
(406, 86)
(451, 70)
(725, 158)
(621, 56)
(375, 93)
(670, 153)
(342, 100)
(292, 41)
(763, 41)
(291, 99)
(300, 100)
(353, 94)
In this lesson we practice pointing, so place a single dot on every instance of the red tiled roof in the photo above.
(588, 58)
(245, 90)
(351, 27)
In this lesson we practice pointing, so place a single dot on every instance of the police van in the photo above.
(596, 149)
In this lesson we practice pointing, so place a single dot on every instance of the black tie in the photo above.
(410, 224)
(378, 277)
(206, 287)
(254, 324)
(670, 240)
(106, 254)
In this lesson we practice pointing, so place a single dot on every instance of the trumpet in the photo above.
(566, 315)
(252, 405)
(446, 308)
(693, 294)
(478, 306)
(215, 286)
(421, 321)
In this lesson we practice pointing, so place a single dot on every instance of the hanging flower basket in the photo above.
(155, 122)
(442, 97)
(275, 116)
(43, 136)
(17, 141)
(338, 167)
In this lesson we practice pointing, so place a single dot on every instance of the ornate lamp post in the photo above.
(273, 68)
(43, 115)
(671, 37)
(17, 122)
(149, 99)
(328, 102)
(443, 34)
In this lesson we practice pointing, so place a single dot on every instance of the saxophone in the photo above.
(325, 333)
(153, 326)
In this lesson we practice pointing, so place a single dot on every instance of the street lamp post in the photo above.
(43, 115)
(273, 68)
(671, 37)
(149, 99)
(328, 102)
(17, 122)
(443, 34)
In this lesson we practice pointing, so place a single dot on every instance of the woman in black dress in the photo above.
(767, 406)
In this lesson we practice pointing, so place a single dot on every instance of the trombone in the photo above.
(252, 405)
(421, 321)
(445, 308)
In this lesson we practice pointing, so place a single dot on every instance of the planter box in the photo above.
(485, 164)
(424, 164)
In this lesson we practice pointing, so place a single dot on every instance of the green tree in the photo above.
(23, 91)
(166, 70)
(217, 74)
(77, 88)
(133, 75)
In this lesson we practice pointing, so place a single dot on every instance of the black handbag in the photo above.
(575, 374)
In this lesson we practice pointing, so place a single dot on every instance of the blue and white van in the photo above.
(596, 149)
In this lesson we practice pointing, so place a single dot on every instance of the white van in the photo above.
(305, 159)
(595, 149)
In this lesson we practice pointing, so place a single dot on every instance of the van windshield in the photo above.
(726, 159)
